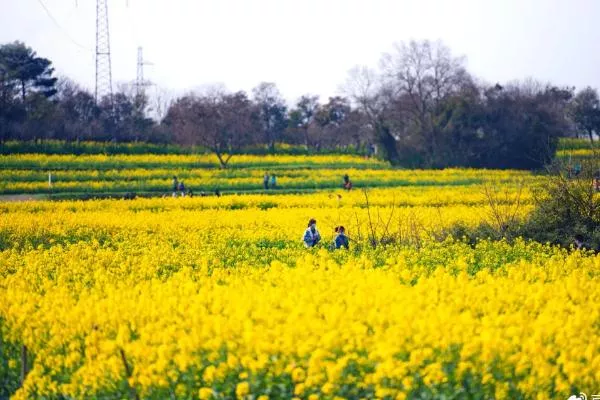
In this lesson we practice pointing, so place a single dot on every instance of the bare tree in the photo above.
(420, 76)
(340, 125)
(78, 111)
(221, 122)
(367, 91)
(303, 116)
(160, 99)
(272, 112)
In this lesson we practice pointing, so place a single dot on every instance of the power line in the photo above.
(61, 28)
(132, 25)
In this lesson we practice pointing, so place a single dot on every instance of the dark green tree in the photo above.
(21, 67)
(521, 125)
(22, 75)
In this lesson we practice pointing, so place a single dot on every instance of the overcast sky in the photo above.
(308, 46)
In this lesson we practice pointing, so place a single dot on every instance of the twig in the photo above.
(373, 235)
(132, 392)
(24, 366)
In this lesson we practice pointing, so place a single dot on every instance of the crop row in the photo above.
(103, 162)
(141, 180)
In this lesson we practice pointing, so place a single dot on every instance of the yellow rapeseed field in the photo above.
(216, 298)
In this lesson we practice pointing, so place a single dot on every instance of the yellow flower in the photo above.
(327, 388)
(205, 393)
(299, 389)
(242, 389)
(209, 374)
(298, 375)
(407, 383)
(173, 285)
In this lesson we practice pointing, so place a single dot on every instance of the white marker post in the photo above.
(50, 180)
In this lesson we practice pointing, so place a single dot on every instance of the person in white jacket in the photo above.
(311, 235)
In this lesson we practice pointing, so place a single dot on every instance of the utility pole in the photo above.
(140, 83)
(103, 64)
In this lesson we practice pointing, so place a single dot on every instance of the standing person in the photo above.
(341, 240)
(273, 181)
(182, 189)
(311, 235)
(577, 169)
(175, 186)
(372, 150)
(266, 181)
(578, 243)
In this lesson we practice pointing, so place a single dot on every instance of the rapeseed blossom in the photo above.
(201, 299)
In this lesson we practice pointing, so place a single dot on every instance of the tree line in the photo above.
(420, 107)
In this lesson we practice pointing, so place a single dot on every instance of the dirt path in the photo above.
(21, 197)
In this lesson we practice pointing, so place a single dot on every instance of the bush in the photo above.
(566, 213)
(567, 207)
(484, 231)
(113, 148)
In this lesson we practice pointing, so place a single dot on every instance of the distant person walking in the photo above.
(347, 182)
(341, 240)
(175, 186)
(266, 181)
(273, 181)
(181, 189)
(311, 235)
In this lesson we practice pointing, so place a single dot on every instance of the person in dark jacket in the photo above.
(341, 240)
(347, 182)
(578, 243)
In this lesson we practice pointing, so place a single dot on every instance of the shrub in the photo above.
(567, 207)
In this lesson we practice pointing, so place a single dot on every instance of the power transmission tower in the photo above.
(140, 83)
(103, 65)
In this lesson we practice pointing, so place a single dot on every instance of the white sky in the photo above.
(308, 46)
